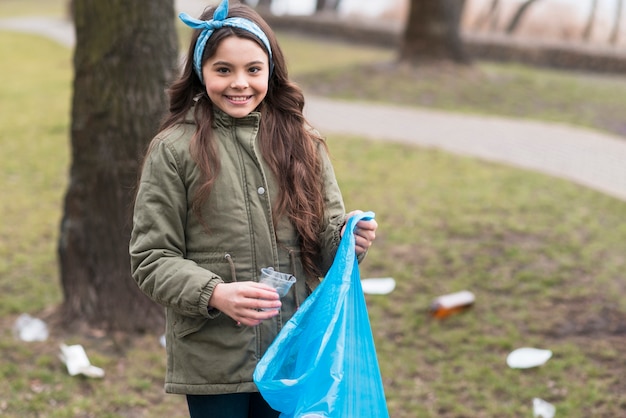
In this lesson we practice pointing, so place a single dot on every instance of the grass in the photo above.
(34, 118)
(545, 258)
(52, 8)
(536, 265)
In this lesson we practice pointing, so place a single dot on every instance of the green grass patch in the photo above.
(544, 257)
(547, 272)
(52, 8)
(34, 115)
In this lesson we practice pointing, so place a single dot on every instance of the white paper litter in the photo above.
(378, 286)
(27, 328)
(77, 362)
(527, 357)
(543, 409)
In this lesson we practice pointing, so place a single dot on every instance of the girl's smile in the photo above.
(236, 76)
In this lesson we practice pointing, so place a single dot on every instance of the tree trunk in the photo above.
(126, 52)
(327, 6)
(613, 38)
(517, 17)
(590, 21)
(320, 5)
(433, 32)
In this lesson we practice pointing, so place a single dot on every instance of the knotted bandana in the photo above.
(219, 20)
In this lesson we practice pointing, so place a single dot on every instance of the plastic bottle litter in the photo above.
(446, 305)
(27, 328)
(527, 357)
(378, 286)
(77, 362)
(543, 409)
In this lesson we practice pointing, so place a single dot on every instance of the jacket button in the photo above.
(261, 190)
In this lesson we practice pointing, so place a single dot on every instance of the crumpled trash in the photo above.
(527, 357)
(378, 286)
(27, 328)
(77, 362)
(543, 409)
(452, 303)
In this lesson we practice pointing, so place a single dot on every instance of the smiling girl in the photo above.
(235, 181)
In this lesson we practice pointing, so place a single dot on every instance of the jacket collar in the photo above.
(224, 120)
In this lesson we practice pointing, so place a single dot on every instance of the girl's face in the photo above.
(236, 77)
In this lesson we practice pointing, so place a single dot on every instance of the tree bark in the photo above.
(590, 21)
(433, 32)
(613, 38)
(327, 6)
(126, 52)
(519, 14)
(320, 5)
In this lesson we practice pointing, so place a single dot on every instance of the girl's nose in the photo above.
(239, 82)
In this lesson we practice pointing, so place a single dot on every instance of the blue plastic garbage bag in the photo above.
(323, 362)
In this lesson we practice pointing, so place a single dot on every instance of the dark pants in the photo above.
(232, 405)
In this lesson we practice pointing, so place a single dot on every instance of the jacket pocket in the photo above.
(185, 325)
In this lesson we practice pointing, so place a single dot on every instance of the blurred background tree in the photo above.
(125, 54)
(615, 31)
(432, 32)
(327, 6)
(519, 14)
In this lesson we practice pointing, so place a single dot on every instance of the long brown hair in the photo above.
(287, 143)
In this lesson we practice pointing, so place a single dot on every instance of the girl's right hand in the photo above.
(243, 301)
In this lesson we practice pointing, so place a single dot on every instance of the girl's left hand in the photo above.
(364, 232)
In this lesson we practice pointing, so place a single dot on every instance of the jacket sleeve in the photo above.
(335, 213)
(157, 245)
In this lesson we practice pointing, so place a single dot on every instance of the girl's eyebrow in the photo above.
(221, 63)
(228, 64)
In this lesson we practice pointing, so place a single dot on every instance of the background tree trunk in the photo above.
(126, 52)
(590, 21)
(519, 14)
(320, 5)
(432, 32)
(326, 6)
(613, 38)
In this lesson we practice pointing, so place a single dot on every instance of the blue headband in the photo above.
(219, 20)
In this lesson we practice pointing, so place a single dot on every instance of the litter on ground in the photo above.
(543, 409)
(30, 329)
(378, 286)
(77, 362)
(527, 357)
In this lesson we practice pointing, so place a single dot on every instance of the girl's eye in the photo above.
(254, 70)
(222, 70)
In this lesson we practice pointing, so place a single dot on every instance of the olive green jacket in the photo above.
(177, 263)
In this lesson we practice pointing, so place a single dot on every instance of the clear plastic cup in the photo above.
(281, 282)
